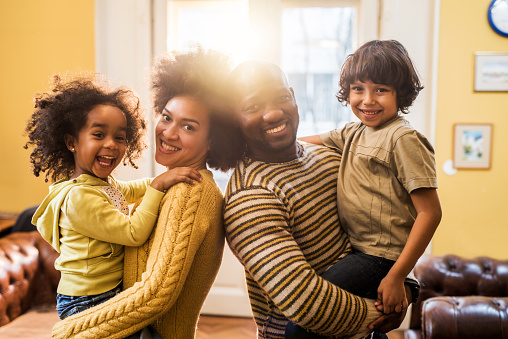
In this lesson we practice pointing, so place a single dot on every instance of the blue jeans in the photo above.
(68, 305)
(357, 273)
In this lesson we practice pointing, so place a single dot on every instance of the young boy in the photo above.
(387, 198)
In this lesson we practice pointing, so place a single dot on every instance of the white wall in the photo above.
(412, 23)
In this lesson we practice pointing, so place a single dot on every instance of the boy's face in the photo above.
(374, 104)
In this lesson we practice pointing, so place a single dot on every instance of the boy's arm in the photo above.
(428, 209)
(312, 139)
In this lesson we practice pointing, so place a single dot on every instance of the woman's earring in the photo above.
(72, 149)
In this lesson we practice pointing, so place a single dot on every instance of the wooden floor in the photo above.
(211, 327)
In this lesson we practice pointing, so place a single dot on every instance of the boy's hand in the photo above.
(179, 174)
(388, 322)
(392, 294)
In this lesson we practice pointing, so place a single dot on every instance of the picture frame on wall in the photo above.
(491, 72)
(472, 146)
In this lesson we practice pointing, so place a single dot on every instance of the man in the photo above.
(281, 217)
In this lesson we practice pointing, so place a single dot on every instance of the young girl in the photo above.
(81, 130)
(387, 197)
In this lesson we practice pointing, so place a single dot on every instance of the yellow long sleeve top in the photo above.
(84, 224)
(167, 278)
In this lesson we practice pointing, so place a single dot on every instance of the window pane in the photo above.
(209, 23)
(315, 43)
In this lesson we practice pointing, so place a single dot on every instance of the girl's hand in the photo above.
(392, 294)
(179, 174)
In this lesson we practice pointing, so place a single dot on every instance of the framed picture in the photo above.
(472, 145)
(491, 72)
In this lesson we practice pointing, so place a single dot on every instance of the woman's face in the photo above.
(182, 134)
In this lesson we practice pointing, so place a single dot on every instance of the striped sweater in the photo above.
(282, 224)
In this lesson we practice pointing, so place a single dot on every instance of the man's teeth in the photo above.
(169, 147)
(276, 129)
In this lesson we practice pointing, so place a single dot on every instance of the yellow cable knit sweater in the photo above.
(168, 278)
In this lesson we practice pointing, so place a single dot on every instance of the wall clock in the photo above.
(498, 16)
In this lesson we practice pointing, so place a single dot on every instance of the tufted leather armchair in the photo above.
(28, 278)
(460, 298)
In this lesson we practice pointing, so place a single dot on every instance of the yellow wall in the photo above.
(475, 218)
(37, 39)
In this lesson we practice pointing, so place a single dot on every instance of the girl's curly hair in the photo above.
(64, 110)
(201, 74)
(382, 62)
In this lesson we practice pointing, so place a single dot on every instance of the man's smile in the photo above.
(276, 129)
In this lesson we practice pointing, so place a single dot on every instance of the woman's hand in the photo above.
(179, 174)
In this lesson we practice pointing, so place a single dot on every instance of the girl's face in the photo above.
(183, 134)
(374, 104)
(100, 145)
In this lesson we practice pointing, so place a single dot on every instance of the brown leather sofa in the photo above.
(28, 282)
(460, 298)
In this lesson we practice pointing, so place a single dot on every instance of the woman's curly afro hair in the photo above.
(201, 74)
(64, 110)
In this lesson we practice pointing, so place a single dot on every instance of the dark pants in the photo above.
(357, 273)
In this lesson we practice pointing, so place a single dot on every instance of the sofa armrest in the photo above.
(451, 275)
(27, 274)
(469, 317)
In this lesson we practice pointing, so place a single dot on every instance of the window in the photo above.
(308, 39)
(315, 43)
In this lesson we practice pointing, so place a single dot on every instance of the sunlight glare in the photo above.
(220, 25)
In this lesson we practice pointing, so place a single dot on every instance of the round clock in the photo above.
(498, 16)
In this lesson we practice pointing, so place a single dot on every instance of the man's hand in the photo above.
(388, 322)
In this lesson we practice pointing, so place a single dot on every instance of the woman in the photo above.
(167, 279)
